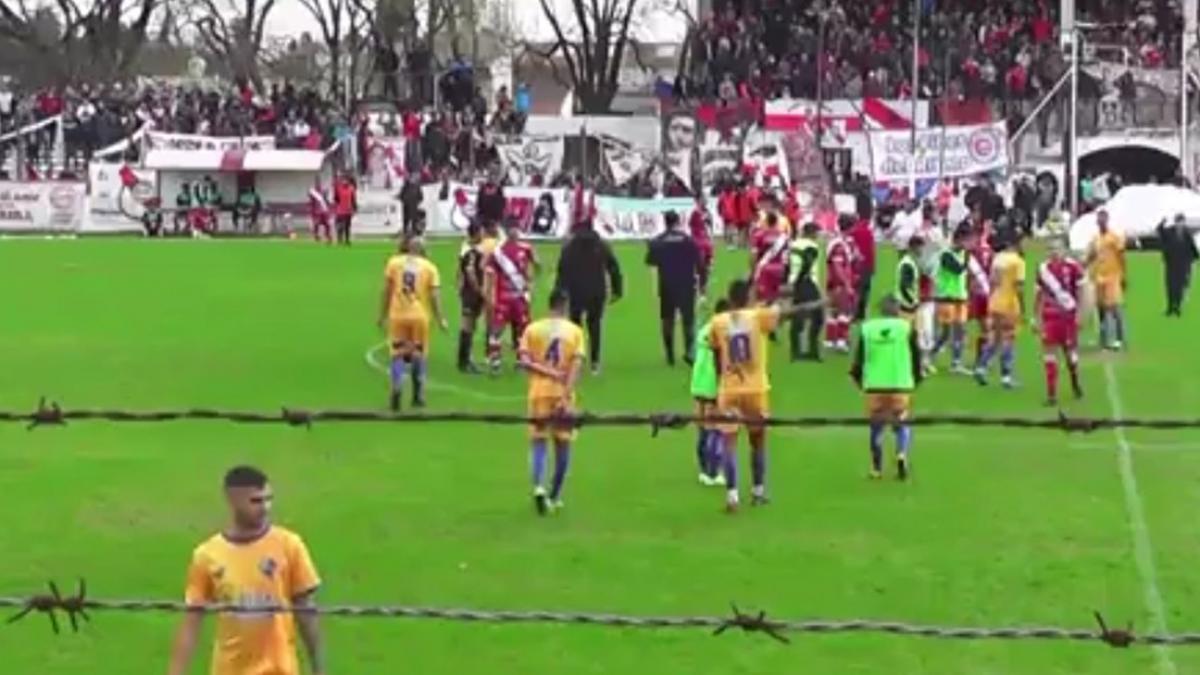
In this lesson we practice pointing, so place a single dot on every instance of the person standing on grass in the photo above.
(1179, 254)
(551, 351)
(410, 292)
(1106, 259)
(887, 368)
(678, 261)
(586, 269)
(704, 391)
(471, 259)
(345, 204)
(864, 244)
(804, 279)
(252, 564)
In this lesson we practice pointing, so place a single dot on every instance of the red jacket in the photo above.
(344, 198)
(864, 241)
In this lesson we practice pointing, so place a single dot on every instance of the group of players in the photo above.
(941, 286)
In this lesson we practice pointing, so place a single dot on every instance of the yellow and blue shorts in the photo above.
(408, 336)
(743, 409)
(545, 406)
(888, 407)
(951, 312)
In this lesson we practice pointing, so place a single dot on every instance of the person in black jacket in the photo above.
(1179, 253)
(678, 260)
(583, 266)
(490, 203)
(410, 204)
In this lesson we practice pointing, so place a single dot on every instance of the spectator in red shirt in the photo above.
(864, 241)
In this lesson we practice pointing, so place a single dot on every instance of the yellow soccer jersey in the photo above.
(268, 571)
(414, 281)
(556, 343)
(1008, 273)
(1108, 264)
(739, 340)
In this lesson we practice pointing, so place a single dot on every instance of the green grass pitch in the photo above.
(999, 527)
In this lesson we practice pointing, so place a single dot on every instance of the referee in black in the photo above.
(586, 270)
(470, 294)
(675, 254)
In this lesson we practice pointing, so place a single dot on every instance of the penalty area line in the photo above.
(1143, 550)
(377, 364)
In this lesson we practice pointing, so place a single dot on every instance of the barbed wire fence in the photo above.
(48, 413)
(76, 607)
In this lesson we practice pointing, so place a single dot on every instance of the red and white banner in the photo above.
(845, 116)
(161, 140)
(41, 207)
(542, 212)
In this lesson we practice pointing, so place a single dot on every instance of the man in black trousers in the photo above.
(803, 258)
(675, 254)
(1179, 253)
(586, 270)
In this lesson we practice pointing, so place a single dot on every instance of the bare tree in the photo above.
(79, 40)
(337, 20)
(593, 47)
(232, 32)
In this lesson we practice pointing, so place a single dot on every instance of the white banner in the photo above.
(623, 163)
(531, 156)
(633, 218)
(161, 140)
(950, 152)
(719, 159)
(542, 212)
(763, 154)
(41, 207)
(109, 196)
(385, 162)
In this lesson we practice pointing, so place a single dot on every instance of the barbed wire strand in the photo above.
(51, 414)
(76, 607)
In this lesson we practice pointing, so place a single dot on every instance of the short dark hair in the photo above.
(721, 306)
(671, 220)
(558, 298)
(473, 229)
(739, 292)
(245, 476)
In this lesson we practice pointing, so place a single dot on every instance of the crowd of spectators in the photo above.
(1007, 50)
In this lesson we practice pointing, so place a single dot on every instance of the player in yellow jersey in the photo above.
(410, 294)
(1106, 258)
(251, 564)
(1006, 309)
(739, 342)
(551, 350)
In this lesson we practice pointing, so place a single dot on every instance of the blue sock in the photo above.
(537, 460)
(943, 336)
(877, 446)
(418, 365)
(985, 357)
(1006, 360)
(1104, 327)
(758, 466)
(903, 439)
(1118, 317)
(729, 461)
(702, 444)
(562, 460)
(957, 335)
(399, 367)
(713, 454)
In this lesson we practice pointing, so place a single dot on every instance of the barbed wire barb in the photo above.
(1115, 637)
(752, 623)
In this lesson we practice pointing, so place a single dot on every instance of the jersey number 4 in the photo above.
(554, 351)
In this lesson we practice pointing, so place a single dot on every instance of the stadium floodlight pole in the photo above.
(1189, 40)
(916, 97)
(820, 76)
(1070, 30)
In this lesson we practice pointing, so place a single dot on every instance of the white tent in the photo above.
(1137, 210)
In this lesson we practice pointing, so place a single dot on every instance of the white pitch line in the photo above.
(1143, 550)
(374, 363)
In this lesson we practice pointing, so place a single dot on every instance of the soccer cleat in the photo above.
(1008, 382)
(469, 369)
(981, 377)
(902, 468)
(418, 402)
(394, 402)
(557, 505)
(1051, 402)
(1116, 346)
(760, 499)
(706, 480)
(541, 503)
(494, 369)
(1078, 393)
(731, 502)
(928, 369)
(595, 370)
(874, 474)
(960, 369)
